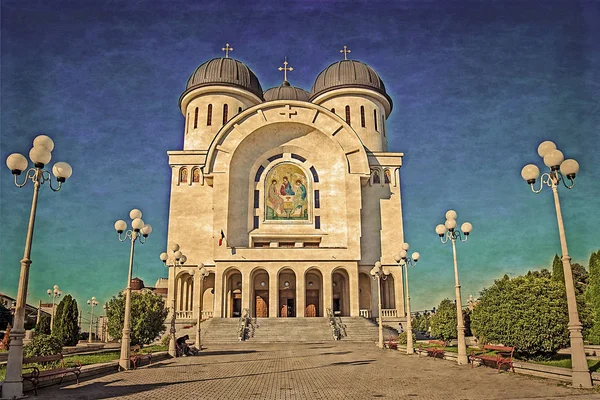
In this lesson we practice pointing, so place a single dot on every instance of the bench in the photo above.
(434, 348)
(136, 356)
(498, 355)
(35, 375)
(391, 344)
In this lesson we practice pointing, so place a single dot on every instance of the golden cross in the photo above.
(346, 50)
(227, 49)
(285, 69)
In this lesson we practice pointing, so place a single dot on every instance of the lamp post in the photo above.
(54, 293)
(41, 155)
(378, 273)
(138, 228)
(405, 261)
(177, 259)
(559, 170)
(203, 274)
(92, 303)
(105, 323)
(448, 231)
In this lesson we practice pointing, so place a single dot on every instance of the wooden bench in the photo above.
(136, 356)
(434, 348)
(498, 355)
(35, 375)
(391, 344)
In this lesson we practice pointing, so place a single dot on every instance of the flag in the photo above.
(222, 237)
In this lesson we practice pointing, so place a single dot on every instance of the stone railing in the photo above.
(365, 313)
(207, 314)
(389, 312)
(246, 326)
(184, 314)
(337, 327)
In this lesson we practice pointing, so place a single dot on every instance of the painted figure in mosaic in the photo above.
(299, 197)
(286, 188)
(273, 199)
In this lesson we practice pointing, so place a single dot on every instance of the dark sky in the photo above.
(476, 87)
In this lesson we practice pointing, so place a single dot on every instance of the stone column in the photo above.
(300, 293)
(246, 290)
(327, 290)
(273, 294)
(398, 291)
(218, 298)
(353, 286)
(374, 300)
(197, 298)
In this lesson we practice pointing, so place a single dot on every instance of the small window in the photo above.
(287, 245)
(333, 110)
(209, 115)
(187, 123)
(196, 118)
(387, 176)
(261, 244)
(376, 177)
(348, 115)
(311, 244)
(225, 110)
(275, 157)
(317, 222)
(239, 110)
(255, 226)
(183, 175)
(375, 118)
(196, 175)
(317, 199)
(256, 196)
(314, 174)
(297, 157)
(362, 116)
(259, 173)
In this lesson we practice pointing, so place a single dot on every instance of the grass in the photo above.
(564, 361)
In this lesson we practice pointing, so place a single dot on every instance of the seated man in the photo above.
(183, 346)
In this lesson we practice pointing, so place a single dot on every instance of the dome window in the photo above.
(348, 115)
(375, 118)
(225, 110)
(362, 116)
(196, 118)
(209, 115)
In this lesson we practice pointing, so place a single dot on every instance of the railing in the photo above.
(337, 327)
(389, 312)
(184, 314)
(365, 313)
(246, 326)
(207, 314)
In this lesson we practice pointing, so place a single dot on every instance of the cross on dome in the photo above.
(345, 50)
(227, 49)
(285, 69)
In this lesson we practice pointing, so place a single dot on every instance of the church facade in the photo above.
(286, 197)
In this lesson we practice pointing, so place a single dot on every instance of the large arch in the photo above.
(388, 296)
(208, 296)
(340, 282)
(260, 296)
(364, 295)
(313, 295)
(184, 294)
(287, 293)
(232, 301)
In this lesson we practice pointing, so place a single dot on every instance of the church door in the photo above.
(284, 310)
(312, 303)
(236, 306)
(261, 305)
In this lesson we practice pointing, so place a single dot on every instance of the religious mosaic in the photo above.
(286, 194)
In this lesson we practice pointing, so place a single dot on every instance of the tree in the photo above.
(443, 322)
(43, 325)
(148, 315)
(66, 327)
(592, 297)
(558, 274)
(528, 312)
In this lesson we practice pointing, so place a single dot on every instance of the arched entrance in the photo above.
(388, 298)
(313, 282)
(341, 292)
(208, 296)
(184, 295)
(364, 295)
(260, 293)
(233, 293)
(287, 293)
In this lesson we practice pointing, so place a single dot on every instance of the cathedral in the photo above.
(286, 197)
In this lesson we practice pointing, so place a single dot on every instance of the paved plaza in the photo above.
(311, 371)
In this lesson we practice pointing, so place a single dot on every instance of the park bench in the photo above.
(35, 376)
(498, 355)
(434, 348)
(136, 356)
(391, 343)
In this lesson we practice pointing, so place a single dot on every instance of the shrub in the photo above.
(402, 338)
(592, 297)
(43, 325)
(443, 322)
(66, 328)
(165, 340)
(43, 345)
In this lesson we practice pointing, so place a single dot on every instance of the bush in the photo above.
(592, 297)
(43, 345)
(66, 328)
(43, 325)
(402, 337)
(443, 322)
(165, 340)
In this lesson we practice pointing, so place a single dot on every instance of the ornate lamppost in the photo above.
(559, 170)
(177, 259)
(378, 273)
(92, 303)
(138, 228)
(448, 231)
(41, 155)
(54, 293)
(405, 261)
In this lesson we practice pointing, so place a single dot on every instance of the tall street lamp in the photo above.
(559, 170)
(405, 261)
(176, 259)
(448, 231)
(92, 303)
(203, 274)
(378, 273)
(138, 228)
(41, 155)
(54, 293)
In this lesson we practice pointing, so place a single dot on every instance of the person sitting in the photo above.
(183, 347)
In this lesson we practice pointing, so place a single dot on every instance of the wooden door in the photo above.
(284, 308)
(312, 303)
(262, 305)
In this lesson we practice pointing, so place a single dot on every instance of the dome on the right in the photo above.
(348, 74)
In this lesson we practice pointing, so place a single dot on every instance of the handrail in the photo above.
(337, 327)
(246, 326)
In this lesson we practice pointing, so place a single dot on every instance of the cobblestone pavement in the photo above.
(312, 371)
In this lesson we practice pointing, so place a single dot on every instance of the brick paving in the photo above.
(312, 371)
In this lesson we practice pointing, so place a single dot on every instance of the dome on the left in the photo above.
(225, 71)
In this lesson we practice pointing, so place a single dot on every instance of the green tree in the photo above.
(43, 325)
(443, 322)
(558, 273)
(43, 345)
(528, 312)
(592, 297)
(66, 328)
(148, 315)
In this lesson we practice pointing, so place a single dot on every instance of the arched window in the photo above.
(239, 110)
(209, 115)
(348, 115)
(183, 175)
(362, 116)
(333, 110)
(387, 176)
(196, 175)
(375, 118)
(375, 176)
(187, 123)
(225, 109)
(196, 118)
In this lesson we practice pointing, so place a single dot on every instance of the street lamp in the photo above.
(559, 170)
(177, 259)
(203, 272)
(92, 303)
(41, 155)
(54, 293)
(405, 261)
(138, 228)
(105, 324)
(378, 273)
(448, 231)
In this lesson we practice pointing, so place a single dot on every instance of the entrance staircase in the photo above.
(359, 329)
(292, 330)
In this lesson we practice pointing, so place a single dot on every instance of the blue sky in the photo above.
(476, 87)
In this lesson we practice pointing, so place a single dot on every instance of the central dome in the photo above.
(225, 71)
(286, 92)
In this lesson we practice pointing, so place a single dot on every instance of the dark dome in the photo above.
(224, 71)
(286, 92)
(348, 73)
